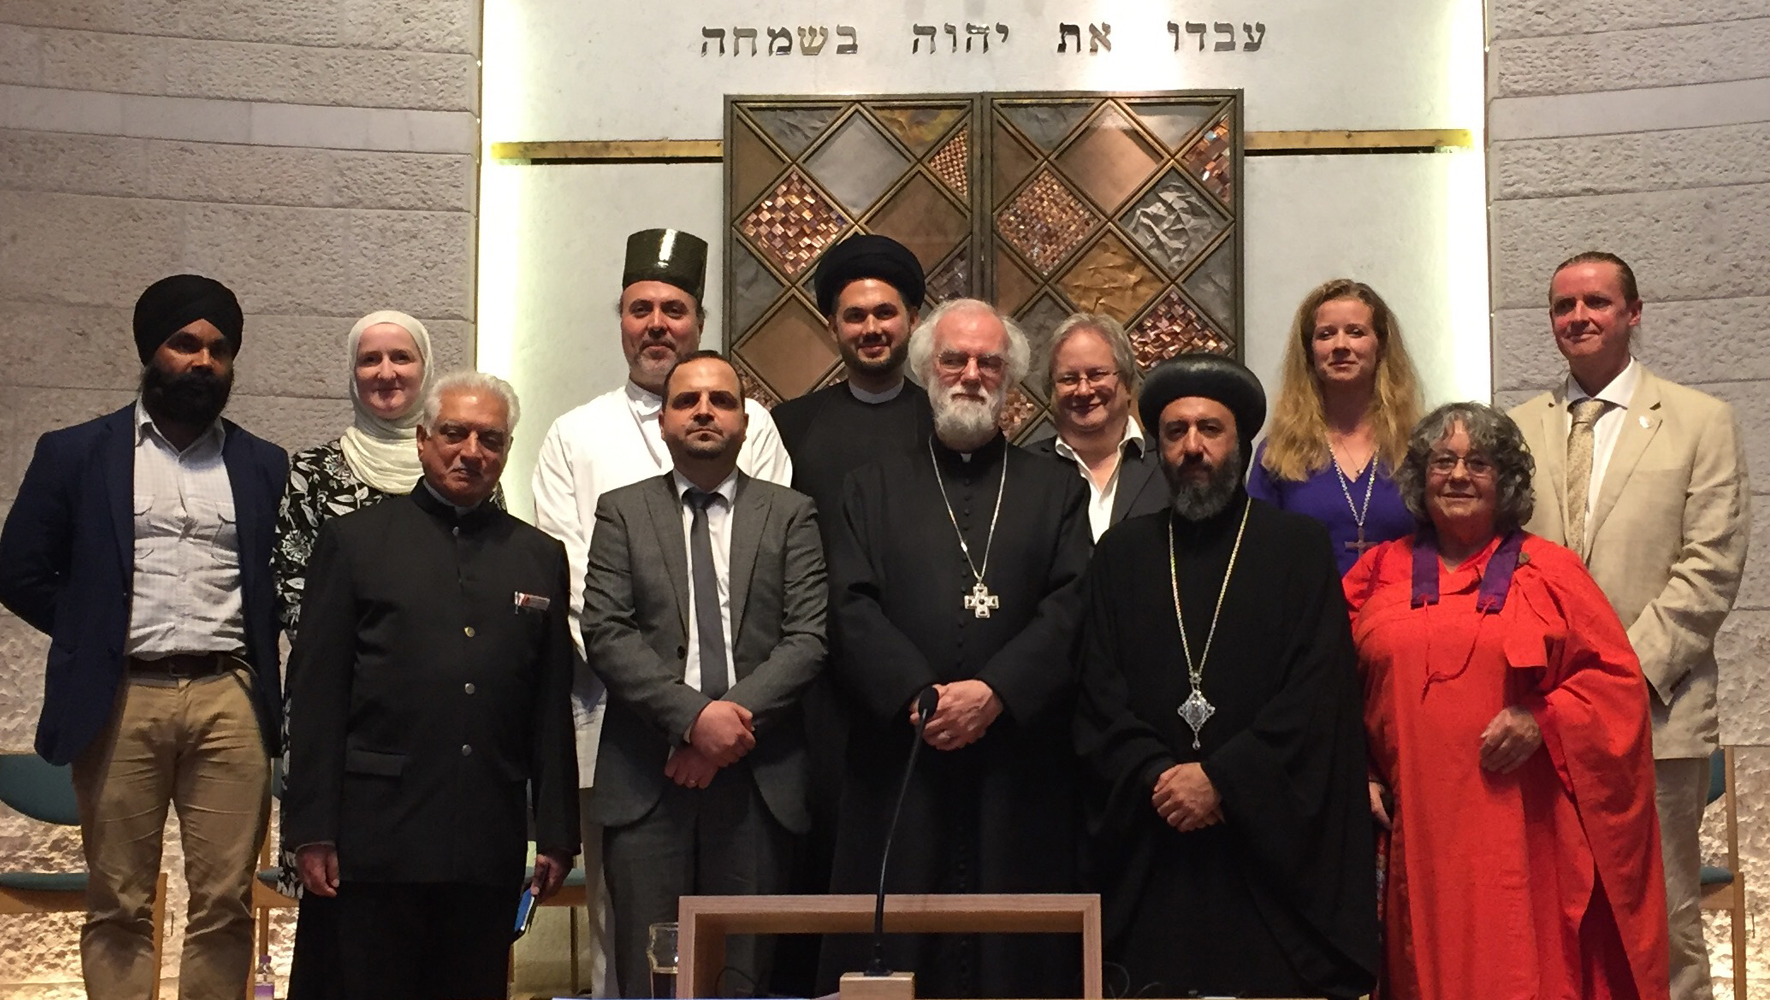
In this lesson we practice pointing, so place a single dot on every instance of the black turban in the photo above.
(171, 304)
(1211, 376)
(869, 256)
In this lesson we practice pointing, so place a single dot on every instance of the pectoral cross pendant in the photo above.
(1360, 545)
(1196, 710)
(980, 601)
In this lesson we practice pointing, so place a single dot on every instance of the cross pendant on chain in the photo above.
(980, 601)
(1360, 545)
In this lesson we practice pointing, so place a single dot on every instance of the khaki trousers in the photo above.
(193, 745)
(1681, 787)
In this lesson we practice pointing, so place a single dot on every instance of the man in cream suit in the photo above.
(1646, 479)
(704, 616)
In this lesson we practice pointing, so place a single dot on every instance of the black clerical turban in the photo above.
(171, 304)
(668, 255)
(869, 256)
(1212, 376)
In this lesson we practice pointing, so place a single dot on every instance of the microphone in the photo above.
(926, 703)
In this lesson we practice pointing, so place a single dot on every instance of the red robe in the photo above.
(1543, 883)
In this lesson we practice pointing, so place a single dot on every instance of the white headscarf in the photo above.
(384, 453)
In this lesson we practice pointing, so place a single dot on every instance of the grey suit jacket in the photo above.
(1141, 488)
(636, 599)
(1669, 533)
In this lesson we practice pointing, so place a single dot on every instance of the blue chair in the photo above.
(1724, 888)
(45, 792)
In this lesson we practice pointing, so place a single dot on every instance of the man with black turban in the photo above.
(1220, 723)
(870, 290)
(140, 542)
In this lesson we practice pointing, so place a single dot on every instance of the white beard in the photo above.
(965, 424)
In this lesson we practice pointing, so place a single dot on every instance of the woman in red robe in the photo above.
(1511, 756)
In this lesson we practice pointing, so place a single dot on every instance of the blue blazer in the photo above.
(67, 561)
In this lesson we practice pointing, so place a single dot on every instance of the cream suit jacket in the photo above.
(1669, 533)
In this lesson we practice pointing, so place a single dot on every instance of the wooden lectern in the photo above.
(705, 921)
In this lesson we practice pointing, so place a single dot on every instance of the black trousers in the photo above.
(716, 841)
(420, 941)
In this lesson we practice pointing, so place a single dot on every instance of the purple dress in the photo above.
(1320, 497)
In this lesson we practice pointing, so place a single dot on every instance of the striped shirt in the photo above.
(185, 594)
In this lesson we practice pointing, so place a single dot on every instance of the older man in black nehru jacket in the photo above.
(140, 542)
(433, 669)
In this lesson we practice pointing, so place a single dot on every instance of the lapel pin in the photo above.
(1645, 423)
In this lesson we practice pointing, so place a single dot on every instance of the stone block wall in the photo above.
(318, 156)
(1643, 127)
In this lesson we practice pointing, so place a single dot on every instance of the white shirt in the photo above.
(719, 535)
(610, 442)
(1100, 498)
(1608, 427)
(185, 590)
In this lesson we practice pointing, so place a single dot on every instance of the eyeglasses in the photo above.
(955, 362)
(1075, 380)
(1445, 464)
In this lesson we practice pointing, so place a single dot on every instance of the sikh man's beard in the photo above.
(1195, 499)
(966, 424)
(195, 397)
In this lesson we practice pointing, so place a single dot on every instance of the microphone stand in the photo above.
(926, 703)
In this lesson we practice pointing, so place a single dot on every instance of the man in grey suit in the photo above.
(701, 772)
(1646, 480)
(1091, 374)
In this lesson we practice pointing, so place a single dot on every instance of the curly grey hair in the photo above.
(1109, 330)
(921, 350)
(470, 381)
(1492, 434)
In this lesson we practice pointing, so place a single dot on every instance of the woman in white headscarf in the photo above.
(389, 360)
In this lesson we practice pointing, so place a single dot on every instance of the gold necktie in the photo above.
(1579, 470)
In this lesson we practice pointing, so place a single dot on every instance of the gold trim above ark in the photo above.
(1317, 143)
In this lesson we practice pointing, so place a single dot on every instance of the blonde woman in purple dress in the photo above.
(1339, 428)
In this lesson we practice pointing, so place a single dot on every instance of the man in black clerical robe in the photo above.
(870, 290)
(1234, 858)
(989, 626)
(433, 669)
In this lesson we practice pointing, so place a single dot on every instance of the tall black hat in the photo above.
(869, 256)
(667, 255)
(1211, 376)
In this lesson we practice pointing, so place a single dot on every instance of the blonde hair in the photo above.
(1297, 443)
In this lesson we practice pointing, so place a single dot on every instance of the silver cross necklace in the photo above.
(1358, 513)
(1196, 709)
(980, 601)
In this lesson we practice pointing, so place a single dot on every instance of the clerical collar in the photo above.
(644, 402)
(435, 503)
(987, 455)
(875, 398)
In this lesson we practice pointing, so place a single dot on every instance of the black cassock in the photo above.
(1280, 898)
(830, 433)
(999, 815)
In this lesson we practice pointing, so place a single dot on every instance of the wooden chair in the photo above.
(572, 893)
(45, 792)
(265, 896)
(1724, 888)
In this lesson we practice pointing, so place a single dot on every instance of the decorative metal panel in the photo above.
(1047, 204)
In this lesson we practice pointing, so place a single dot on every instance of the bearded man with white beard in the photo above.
(956, 567)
